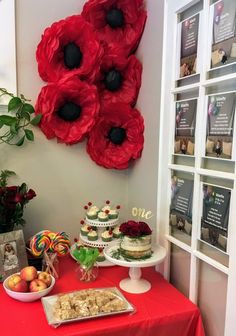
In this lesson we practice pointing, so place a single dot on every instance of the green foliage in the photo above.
(86, 256)
(4, 176)
(14, 127)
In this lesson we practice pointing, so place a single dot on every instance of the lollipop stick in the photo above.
(49, 262)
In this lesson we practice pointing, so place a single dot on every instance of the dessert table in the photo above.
(162, 311)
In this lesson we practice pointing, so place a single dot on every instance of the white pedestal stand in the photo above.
(135, 284)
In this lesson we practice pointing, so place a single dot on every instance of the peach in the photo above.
(45, 277)
(28, 273)
(37, 285)
(16, 284)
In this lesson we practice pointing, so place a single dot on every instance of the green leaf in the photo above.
(7, 120)
(14, 103)
(35, 121)
(23, 188)
(28, 108)
(4, 176)
(13, 128)
(21, 141)
(1, 124)
(29, 134)
(25, 115)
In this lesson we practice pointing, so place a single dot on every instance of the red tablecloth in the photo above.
(162, 311)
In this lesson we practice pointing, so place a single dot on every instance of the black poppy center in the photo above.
(115, 18)
(117, 135)
(72, 55)
(69, 111)
(113, 80)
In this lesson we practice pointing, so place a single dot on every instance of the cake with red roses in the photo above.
(136, 240)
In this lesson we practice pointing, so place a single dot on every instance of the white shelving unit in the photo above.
(199, 168)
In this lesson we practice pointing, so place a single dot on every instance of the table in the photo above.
(162, 311)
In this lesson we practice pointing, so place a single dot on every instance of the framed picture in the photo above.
(189, 31)
(185, 120)
(220, 125)
(223, 46)
(12, 253)
(215, 216)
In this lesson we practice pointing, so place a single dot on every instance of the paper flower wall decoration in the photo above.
(119, 79)
(69, 109)
(94, 81)
(118, 23)
(69, 47)
(117, 137)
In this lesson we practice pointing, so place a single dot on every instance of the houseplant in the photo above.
(14, 126)
(14, 129)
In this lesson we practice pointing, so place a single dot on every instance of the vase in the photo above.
(87, 274)
(6, 227)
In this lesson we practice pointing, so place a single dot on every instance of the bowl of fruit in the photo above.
(28, 285)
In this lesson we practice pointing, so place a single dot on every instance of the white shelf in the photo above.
(97, 223)
(185, 88)
(218, 80)
(96, 243)
(215, 173)
(188, 169)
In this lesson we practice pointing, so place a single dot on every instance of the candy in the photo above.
(40, 243)
(60, 244)
(50, 241)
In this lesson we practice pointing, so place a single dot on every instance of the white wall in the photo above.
(142, 182)
(64, 177)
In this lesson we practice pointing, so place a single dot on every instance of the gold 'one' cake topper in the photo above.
(141, 213)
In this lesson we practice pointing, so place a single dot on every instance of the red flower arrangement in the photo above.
(119, 79)
(70, 55)
(117, 137)
(135, 229)
(118, 23)
(69, 47)
(12, 202)
(68, 109)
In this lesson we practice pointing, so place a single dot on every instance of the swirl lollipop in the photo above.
(60, 244)
(40, 243)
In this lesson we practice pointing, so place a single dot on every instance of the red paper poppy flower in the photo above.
(117, 22)
(117, 137)
(69, 47)
(69, 109)
(120, 79)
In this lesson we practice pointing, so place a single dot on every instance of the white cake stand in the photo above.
(135, 284)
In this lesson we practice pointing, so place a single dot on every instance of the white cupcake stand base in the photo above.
(135, 284)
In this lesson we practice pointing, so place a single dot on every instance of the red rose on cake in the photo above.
(135, 229)
(136, 240)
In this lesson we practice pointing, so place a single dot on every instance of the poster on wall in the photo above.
(189, 46)
(181, 204)
(223, 49)
(185, 120)
(220, 125)
(215, 216)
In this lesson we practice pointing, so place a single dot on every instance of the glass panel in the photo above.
(212, 292)
(180, 269)
(181, 206)
(183, 160)
(213, 253)
(187, 95)
(219, 165)
(191, 10)
(188, 80)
